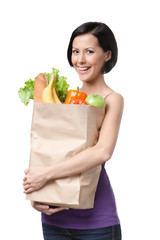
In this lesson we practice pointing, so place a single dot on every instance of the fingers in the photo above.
(34, 179)
(54, 210)
(27, 186)
(46, 209)
(25, 181)
(40, 207)
(29, 190)
(26, 171)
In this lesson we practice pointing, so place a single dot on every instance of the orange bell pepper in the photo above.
(75, 94)
(78, 101)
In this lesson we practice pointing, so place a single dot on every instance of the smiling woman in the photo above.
(92, 51)
(88, 58)
(104, 38)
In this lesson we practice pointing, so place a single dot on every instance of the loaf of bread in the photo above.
(41, 83)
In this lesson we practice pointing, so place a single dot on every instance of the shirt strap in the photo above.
(107, 95)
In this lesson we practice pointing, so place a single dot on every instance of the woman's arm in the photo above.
(36, 177)
(46, 208)
(99, 153)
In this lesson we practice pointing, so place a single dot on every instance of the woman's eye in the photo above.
(89, 51)
(75, 51)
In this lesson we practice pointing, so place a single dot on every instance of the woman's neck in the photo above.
(95, 87)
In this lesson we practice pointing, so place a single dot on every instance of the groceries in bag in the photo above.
(34, 88)
(58, 133)
(52, 88)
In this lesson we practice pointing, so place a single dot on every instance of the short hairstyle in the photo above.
(105, 38)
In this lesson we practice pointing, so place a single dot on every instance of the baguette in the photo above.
(41, 83)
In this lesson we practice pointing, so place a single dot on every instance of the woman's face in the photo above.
(88, 57)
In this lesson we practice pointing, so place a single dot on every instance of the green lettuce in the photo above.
(27, 92)
(61, 84)
(61, 87)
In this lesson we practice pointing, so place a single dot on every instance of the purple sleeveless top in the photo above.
(103, 214)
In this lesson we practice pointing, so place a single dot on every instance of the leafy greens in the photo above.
(27, 92)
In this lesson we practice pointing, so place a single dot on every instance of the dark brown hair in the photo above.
(105, 38)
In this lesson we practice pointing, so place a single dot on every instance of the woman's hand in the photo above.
(35, 178)
(45, 208)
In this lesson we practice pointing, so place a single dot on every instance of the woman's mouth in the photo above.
(83, 69)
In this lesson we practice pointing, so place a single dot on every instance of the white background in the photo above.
(34, 38)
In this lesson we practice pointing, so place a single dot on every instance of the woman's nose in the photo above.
(81, 58)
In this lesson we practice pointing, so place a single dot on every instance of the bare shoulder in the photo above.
(115, 99)
(111, 123)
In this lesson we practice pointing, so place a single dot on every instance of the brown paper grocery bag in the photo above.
(58, 132)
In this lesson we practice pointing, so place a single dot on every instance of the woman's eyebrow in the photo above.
(85, 48)
(89, 48)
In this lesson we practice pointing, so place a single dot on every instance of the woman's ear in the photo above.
(108, 55)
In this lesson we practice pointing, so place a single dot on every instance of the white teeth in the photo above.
(82, 69)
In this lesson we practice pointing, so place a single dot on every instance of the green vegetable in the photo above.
(61, 87)
(27, 92)
(61, 84)
(55, 72)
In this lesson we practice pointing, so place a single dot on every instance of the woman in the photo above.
(92, 51)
